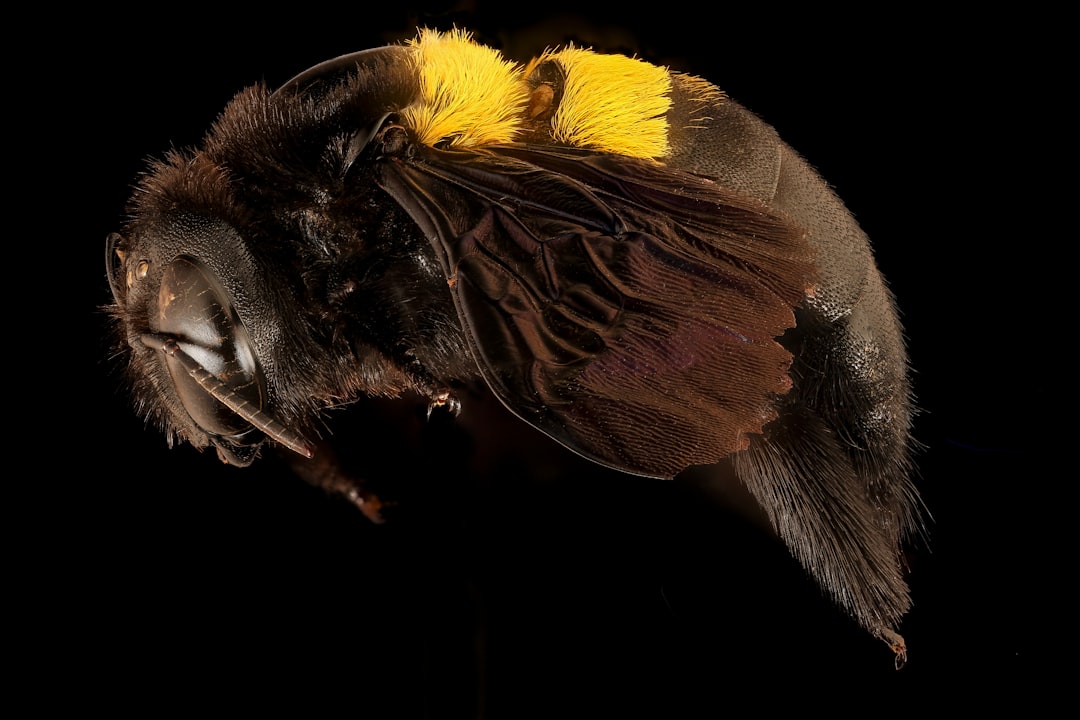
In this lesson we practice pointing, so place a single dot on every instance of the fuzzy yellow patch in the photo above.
(612, 103)
(469, 94)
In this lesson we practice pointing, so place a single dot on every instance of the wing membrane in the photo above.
(628, 310)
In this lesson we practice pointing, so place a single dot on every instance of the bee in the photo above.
(631, 262)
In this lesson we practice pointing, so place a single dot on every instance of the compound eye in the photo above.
(195, 310)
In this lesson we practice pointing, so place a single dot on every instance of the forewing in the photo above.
(628, 310)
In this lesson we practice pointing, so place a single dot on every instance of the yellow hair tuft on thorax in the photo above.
(469, 95)
(612, 103)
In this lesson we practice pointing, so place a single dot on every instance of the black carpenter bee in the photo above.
(630, 261)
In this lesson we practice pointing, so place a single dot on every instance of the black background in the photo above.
(169, 578)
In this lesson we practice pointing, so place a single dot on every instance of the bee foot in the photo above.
(444, 399)
(896, 643)
(369, 504)
(325, 472)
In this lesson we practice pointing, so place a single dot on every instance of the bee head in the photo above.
(198, 316)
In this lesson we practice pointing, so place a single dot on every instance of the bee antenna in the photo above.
(221, 392)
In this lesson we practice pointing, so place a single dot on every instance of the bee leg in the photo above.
(832, 525)
(324, 471)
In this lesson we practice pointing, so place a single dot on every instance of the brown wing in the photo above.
(628, 310)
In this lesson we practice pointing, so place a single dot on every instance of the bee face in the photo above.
(191, 295)
(629, 261)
